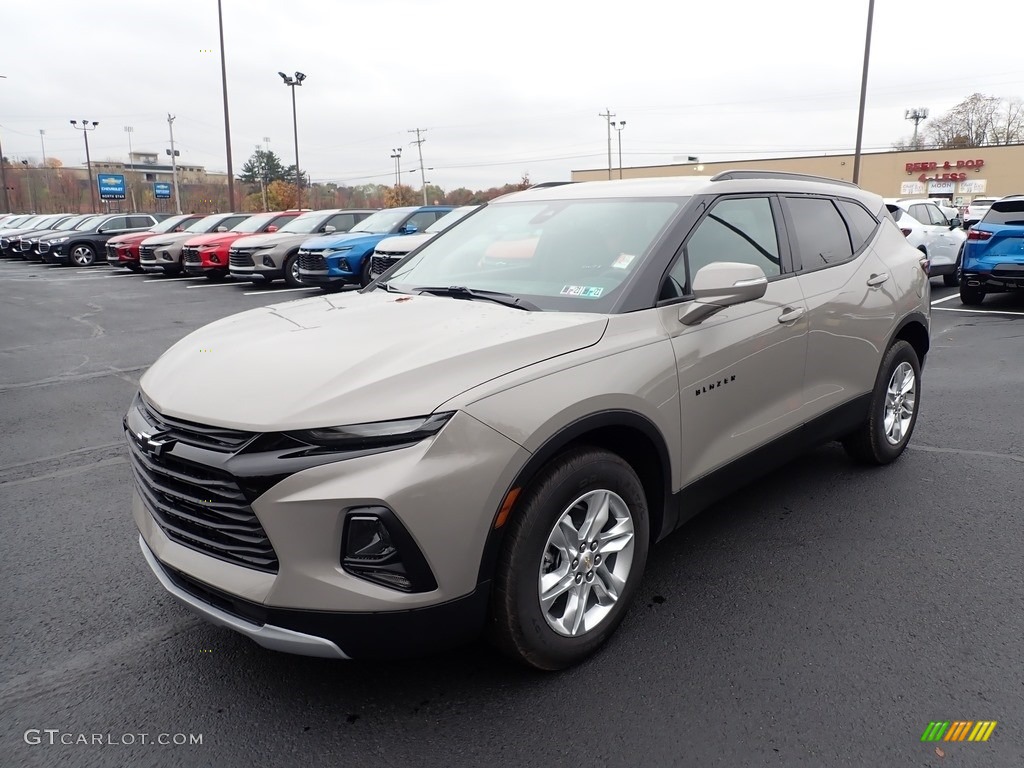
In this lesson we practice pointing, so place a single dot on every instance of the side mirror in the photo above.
(410, 229)
(328, 229)
(723, 284)
(954, 223)
(271, 228)
(222, 228)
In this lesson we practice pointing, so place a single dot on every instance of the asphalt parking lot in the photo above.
(821, 617)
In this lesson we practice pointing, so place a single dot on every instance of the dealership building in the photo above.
(959, 175)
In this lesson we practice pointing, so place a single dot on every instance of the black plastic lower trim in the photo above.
(377, 635)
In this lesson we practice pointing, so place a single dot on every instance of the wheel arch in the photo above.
(913, 329)
(627, 434)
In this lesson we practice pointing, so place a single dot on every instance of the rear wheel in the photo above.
(892, 413)
(971, 296)
(291, 271)
(572, 560)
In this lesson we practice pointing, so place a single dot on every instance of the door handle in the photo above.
(878, 279)
(790, 314)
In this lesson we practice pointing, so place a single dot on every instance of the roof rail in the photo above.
(735, 175)
(545, 184)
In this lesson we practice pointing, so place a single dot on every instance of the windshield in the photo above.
(1006, 212)
(89, 223)
(983, 201)
(31, 222)
(450, 218)
(383, 222)
(207, 223)
(307, 223)
(255, 223)
(168, 225)
(565, 255)
(47, 222)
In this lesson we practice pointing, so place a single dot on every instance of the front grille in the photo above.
(4, 242)
(219, 439)
(147, 253)
(191, 256)
(24, 245)
(44, 247)
(202, 509)
(312, 262)
(381, 264)
(240, 258)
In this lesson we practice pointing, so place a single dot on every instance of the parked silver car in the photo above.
(494, 444)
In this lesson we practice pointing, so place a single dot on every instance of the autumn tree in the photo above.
(281, 196)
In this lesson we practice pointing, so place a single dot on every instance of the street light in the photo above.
(85, 128)
(618, 129)
(31, 194)
(291, 82)
(396, 155)
(863, 94)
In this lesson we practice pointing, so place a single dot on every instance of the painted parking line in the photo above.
(946, 298)
(273, 292)
(979, 311)
(214, 285)
(171, 279)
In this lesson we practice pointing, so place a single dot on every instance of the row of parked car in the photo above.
(336, 247)
(325, 248)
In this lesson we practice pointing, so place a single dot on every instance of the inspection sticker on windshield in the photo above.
(584, 291)
(623, 261)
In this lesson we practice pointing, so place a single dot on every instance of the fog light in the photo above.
(376, 547)
(268, 262)
(214, 258)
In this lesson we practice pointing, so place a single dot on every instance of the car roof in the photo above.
(731, 182)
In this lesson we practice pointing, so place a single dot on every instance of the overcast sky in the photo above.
(503, 88)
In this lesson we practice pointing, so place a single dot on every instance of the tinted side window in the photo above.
(937, 216)
(280, 221)
(820, 232)
(232, 221)
(422, 220)
(118, 222)
(862, 224)
(139, 222)
(740, 230)
(342, 222)
(1009, 212)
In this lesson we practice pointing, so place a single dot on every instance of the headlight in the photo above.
(60, 240)
(375, 433)
(336, 251)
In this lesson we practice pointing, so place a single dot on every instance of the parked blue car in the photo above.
(993, 260)
(332, 261)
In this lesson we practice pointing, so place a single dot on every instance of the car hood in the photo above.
(130, 238)
(275, 238)
(214, 238)
(352, 358)
(67, 233)
(35, 233)
(335, 241)
(403, 243)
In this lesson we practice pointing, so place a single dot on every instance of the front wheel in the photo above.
(291, 271)
(83, 255)
(572, 560)
(364, 274)
(953, 279)
(892, 413)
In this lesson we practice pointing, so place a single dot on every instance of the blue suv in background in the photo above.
(993, 260)
(331, 261)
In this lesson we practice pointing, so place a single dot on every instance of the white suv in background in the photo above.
(929, 230)
(977, 209)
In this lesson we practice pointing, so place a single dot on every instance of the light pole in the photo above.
(618, 129)
(396, 155)
(174, 163)
(129, 130)
(46, 170)
(31, 194)
(85, 128)
(227, 120)
(863, 94)
(42, 145)
(262, 160)
(291, 82)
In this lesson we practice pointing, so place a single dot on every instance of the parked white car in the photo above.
(977, 209)
(950, 211)
(930, 231)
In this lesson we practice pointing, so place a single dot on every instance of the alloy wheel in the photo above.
(900, 399)
(82, 255)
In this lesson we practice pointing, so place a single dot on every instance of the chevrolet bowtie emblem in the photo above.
(157, 443)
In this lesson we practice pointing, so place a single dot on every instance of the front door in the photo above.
(740, 371)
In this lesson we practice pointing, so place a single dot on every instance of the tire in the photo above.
(173, 270)
(134, 268)
(971, 296)
(82, 255)
(952, 280)
(881, 438)
(291, 270)
(574, 482)
(332, 287)
(215, 276)
(364, 273)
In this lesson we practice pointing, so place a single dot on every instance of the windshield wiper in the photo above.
(462, 292)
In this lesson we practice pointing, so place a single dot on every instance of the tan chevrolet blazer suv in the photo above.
(492, 444)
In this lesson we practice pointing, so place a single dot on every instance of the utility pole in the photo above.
(419, 147)
(607, 115)
(917, 114)
(618, 129)
(3, 181)
(863, 93)
(42, 145)
(396, 155)
(174, 164)
(46, 171)
(31, 194)
(128, 129)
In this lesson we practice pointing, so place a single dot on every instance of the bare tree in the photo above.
(1008, 124)
(979, 121)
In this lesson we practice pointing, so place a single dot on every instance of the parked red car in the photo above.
(208, 254)
(123, 250)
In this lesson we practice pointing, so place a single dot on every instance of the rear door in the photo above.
(850, 294)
